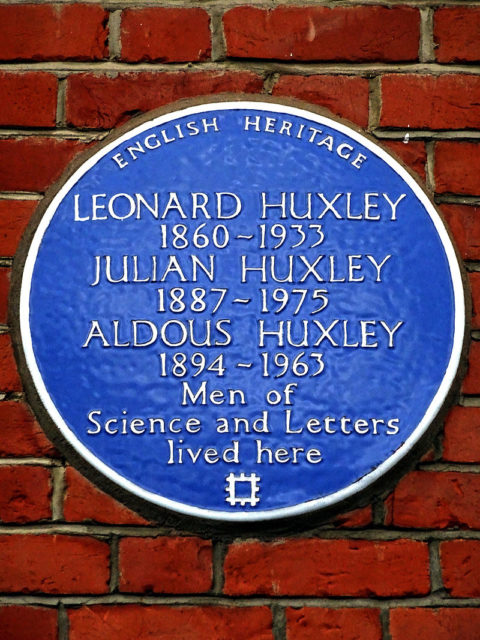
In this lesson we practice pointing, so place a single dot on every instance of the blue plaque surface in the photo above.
(241, 311)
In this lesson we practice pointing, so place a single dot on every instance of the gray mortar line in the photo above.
(219, 47)
(279, 622)
(426, 134)
(61, 95)
(255, 65)
(96, 135)
(374, 102)
(58, 492)
(62, 622)
(64, 134)
(469, 401)
(378, 512)
(384, 534)
(429, 166)
(335, 602)
(114, 564)
(219, 552)
(449, 198)
(30, 462)
(270, 81)
(426, 50)
(438, 445)
(448, 466)
(20, 195)
(436, 581)
(114, 34)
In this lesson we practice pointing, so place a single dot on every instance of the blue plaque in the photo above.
(240, 310)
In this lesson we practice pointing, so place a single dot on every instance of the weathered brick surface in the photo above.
(474, 280)
(165, 565)
(464, 224)
(460, 562)
(14, 217)
(83, 502)
(272, 569)
(49, 32)
(4, 290)
(25, 493)
(441, 624)
(33, 164)
(354, 519)
(53, 564)
(20, 90)
(323, 33)
(457, 34)
(9, 378)
(430, 499)
(165, 34)
(131, 622)
(310, 623)
(345, 96)
(92, 66)
(101, 101)
(471, 382)
(412, 153)
(439, 101)
(462, 435)
(457, 167)
(28, 623)
(20, 435)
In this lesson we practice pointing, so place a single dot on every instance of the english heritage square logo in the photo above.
(240, 310)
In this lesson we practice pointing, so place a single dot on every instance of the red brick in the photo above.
(457, 34)
(321, 33)
(460, 560)
(334, 568)
(439, 101)
(102, 102)
(354, 519)
(22, 90)
(412, 153)
(14, 217)
(25, 494)
(9, 378)
(28, 623)
(20, 435)
(53, 564)
(457, 167)
(32, 164)
(345, 96)
(464, 223)
(435, 624)
(462, 435)
(4, 289)
(471, 382)
(132, 622)
(84, 502)
(334, 624)
(430, 499)
(165, 34)
(53, 32)
(474, 279)
(165, 565)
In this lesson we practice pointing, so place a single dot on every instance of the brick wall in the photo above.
(75, 564)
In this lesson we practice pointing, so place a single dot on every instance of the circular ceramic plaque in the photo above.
(241, 310)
